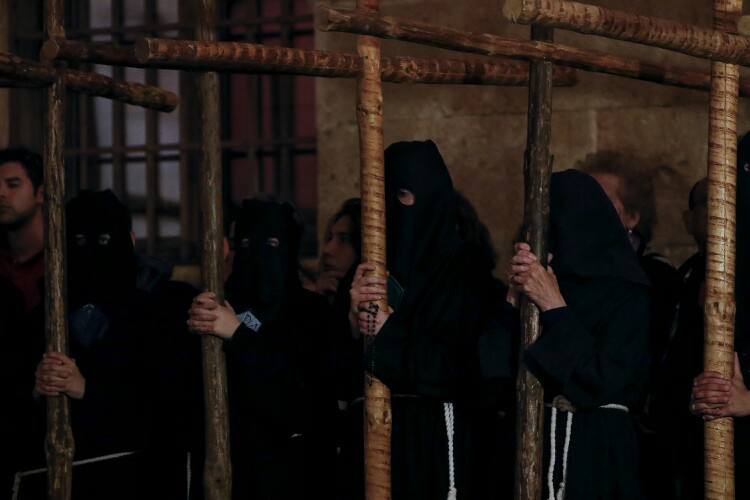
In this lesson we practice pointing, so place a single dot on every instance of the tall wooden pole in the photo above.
(59, 442)
(377, 414)
(719, 305)
(537, 171)
(218, 468)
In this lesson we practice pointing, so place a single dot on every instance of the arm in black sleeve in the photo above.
(595, 370)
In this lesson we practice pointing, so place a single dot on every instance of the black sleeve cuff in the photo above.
(551, 317)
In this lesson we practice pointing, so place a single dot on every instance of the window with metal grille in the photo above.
(150, 159)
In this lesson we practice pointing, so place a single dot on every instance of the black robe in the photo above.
(282, 403)
(595, 351)
(175, 395)
(681, 433)
(22, 424)
(427, 350)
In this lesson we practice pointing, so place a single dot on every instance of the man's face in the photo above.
(19, 202)
(338, 254)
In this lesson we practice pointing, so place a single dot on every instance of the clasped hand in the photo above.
(527, 276)
(365, 292)
(58, 374)
(208, 317)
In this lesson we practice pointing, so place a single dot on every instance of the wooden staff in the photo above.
(377, 405)
(237, 57)
(719, 306)
(365, 23)
(537, 174)
(217, 468)
(59, 442)
(32, 73)
(610, 23)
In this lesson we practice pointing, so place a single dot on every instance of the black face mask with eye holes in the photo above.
(264, 271)
(101, 258)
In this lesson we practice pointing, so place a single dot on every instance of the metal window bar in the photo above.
(86, 157)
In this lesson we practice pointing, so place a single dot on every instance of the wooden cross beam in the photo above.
(537, 178)
(217, 468)
(237, 57)
(726, 50)
(60, 446)
(18, 72)
(692, 40)
(718, 44)
(358, 22)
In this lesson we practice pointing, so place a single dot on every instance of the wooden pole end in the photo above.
(323, 17)
(513, 10)
(49, 51)
(142, 50)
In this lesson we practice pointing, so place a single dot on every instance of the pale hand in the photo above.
(527, 276)
(208, 317)
(366, 289)
(58, 374)
(714, 396)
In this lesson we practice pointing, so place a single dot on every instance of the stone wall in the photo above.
(481, 131)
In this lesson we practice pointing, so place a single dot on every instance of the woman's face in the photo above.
(610, 183)
(338, 254)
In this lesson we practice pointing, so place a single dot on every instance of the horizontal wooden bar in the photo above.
(363, 23)
(24, 71)
(663, 33)
(238, 57)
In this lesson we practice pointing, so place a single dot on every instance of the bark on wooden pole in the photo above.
(360, 22)
(537, 172)
(217, 468)
(59, 442)
(32, 73)
(238, 57)
(719, 307)
(377, 405)
(594, 20)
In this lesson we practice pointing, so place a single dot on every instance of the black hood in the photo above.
(587, 238)
(264, 273)
(101, 258)
(742, 263)
(420, 234)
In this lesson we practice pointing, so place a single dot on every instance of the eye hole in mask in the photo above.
(245, 243)
(80, 240)
(272, 242)
(406, 197)
(104, 239)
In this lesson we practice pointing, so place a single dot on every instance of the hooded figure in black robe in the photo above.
(107, 325)
(595, 351)
(682, 431)
(279, 363)
(426, 351)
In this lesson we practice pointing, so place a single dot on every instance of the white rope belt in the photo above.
(562, 404)
(26, 473)
(449, 430)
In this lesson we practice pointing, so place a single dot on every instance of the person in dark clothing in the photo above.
(425, 346)
(681, 434)
(103, 374)
(279, 361)
(341, 249)
(712, 395)
(629, 186)
(22, 311)
(592, 356)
